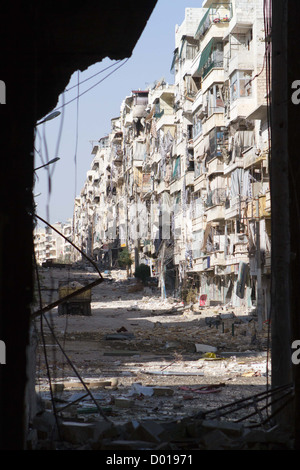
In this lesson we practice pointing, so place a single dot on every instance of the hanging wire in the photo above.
(267, 13)
(92, 76)
(44, 347)
(76, 133)
(93, 86)
(41, 313)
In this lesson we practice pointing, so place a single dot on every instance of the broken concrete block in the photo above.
(123, 402)
(216, 440)
(163, 391)
(32, 440)
(77, 433)
(44, 423)
(274, 436)
(205, 348)
(149, 431)
(57, 387)
(105, 429)
(138, 389)
(227, 427)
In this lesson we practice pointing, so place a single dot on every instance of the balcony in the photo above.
(200, 182)
(187, 106)
(198, 101)
(215, 74)
(253, 157)
(215, 209)
(238, 59)
(236, 258)
(215, 166)
(215, 120)
(176, 185)
(231, 166)
(216, 212)
(268, 202)
(232, 208)
(217, 16)
(165, 119)
(217, 259)
(239, 108)
(189, 178)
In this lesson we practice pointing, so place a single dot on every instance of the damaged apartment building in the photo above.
(182, 179)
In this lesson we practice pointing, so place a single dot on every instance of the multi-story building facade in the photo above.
(182, 180)
(51, 244)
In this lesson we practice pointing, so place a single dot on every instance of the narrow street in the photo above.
(144, 358)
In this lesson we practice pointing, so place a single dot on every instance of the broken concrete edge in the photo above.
(150, 434)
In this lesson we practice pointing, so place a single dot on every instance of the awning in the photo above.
(205, 55)
(182, 45)
(175, 55)
(177, 162)
(202, 22)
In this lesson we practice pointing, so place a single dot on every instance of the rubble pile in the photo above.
(151, 367)
(187, 434)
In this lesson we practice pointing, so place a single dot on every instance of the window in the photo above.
(215, 58)
(215, 100)
(176, 169)
(177, 203)
(190, 51)
(240, 85)
(197, 126)
(217, 139)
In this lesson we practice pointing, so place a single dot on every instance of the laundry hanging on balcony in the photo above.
(242, 279)
(139, 151)
(241, 141)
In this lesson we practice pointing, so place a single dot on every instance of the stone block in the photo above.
(149, 431)
(124, 403)
(44, 424)
(77, 433)
(231, 429)
(205, 348)
(216, 440)
(163, 391)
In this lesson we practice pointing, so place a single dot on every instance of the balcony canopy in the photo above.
(205, 55)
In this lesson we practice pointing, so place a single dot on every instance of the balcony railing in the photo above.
(216, 197)
(217, 14)
(218, 63)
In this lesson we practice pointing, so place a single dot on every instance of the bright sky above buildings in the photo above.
(84, 121)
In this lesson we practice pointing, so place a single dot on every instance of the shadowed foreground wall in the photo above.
(41, 45)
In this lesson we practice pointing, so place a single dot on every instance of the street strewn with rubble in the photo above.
(139, 360)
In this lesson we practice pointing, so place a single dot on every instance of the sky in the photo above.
(83, 121)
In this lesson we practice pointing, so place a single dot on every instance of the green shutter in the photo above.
(176, 167)
(202, 22)
(174, 59)
(205, 55)
(181, 48)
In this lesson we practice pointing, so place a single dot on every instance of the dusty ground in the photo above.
(138, 354)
